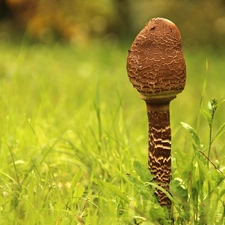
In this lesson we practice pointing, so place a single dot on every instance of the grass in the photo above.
(74, 139)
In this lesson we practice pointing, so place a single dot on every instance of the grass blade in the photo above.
(113, 189)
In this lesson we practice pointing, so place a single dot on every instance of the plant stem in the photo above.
(210, 137)
(212, 108)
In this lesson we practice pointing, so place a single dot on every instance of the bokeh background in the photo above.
(201, 22)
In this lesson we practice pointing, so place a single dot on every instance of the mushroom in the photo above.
(156, 68)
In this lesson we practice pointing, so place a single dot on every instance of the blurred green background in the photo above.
(201, 22)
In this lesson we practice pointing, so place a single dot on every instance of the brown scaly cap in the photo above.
(155, 63)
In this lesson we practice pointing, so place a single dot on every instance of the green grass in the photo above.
(74, 139)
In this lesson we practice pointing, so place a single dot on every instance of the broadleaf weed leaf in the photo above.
(207, 115)
(177, 189)
(193, 133)
(141, 188)
(142, 171)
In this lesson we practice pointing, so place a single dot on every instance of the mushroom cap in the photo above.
(155, 62)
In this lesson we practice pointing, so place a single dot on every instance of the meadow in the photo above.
(74, 139)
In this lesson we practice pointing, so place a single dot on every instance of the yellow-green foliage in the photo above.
(74, 139)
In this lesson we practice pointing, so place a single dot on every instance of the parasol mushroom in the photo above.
(156, 68)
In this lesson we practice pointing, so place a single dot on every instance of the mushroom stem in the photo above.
(159, 149)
